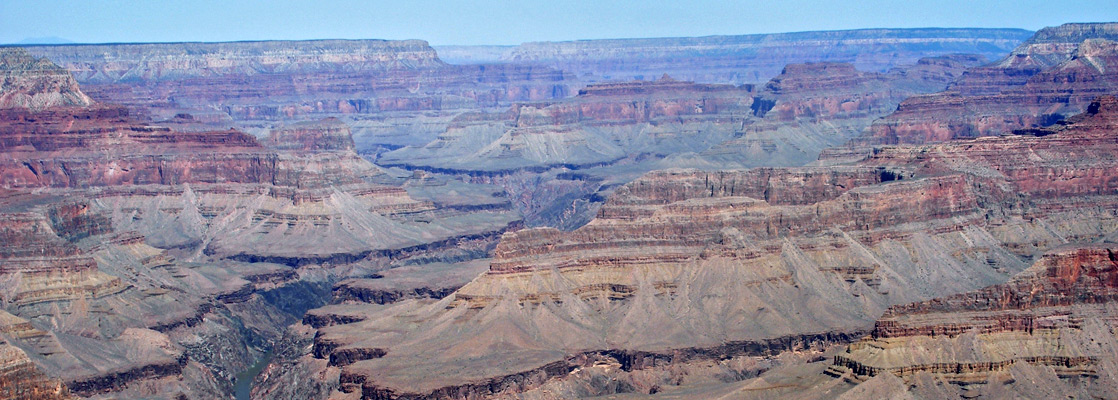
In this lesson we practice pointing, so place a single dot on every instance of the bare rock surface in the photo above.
(718, 262)
(1051, 76)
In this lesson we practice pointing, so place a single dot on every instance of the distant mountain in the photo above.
(45, 40)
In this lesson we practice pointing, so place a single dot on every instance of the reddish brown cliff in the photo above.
(1054, 75)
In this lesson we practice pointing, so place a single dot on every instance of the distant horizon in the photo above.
(505, 23)
(66, 42)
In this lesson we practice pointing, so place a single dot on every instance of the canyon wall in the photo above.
(742, 58)
(685, 259)
(1053, 75)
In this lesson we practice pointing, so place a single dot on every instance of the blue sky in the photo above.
(507, 22)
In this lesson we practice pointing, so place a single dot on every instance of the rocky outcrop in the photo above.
(1044, 316)
(36, 83)
(327, 135)
(1055, 74)
(20, 379)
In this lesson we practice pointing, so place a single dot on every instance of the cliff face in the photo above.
(1054, 315)
(826, 103)
(1054, 75)
(809, 107)
(36, 83)
(20, 379)
(178, 61)
(393, 93)
(690, 260)
(603, 124)
(139, 260)
(745, 58)
(562, 152)
(281, 79)
(326, 135)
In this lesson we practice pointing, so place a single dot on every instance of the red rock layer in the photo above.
(20, 379)
(1043, 315)
(1054, 75)
(327, 135)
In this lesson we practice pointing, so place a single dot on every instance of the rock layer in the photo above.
(1056, 314)
(1055, 74)
(683, 259)
(36, 84)
(745, 58)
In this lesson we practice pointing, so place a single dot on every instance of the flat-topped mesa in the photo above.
(813, 76)
(100, 146)
(330, 134)
(36, 83)
(636, 102)
(777, 186)
(757, 58)
(1055, 75)
(106, 63)
(285, 80)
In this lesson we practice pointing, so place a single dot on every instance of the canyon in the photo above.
(895, 212)
(687, 266)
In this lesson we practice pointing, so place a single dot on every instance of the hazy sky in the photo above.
(508, 22)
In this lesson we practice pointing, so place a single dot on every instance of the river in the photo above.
(242, 389)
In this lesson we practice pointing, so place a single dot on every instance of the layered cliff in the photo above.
(36, 83)
(559, 159)
(603, 124)
(684, 262)
(20, 379)
(1051, 76)
(795, 115)
(1055, 316)
(285, 80)
(125, 62)
(139, 260)
(809, 107)
(745, 58)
